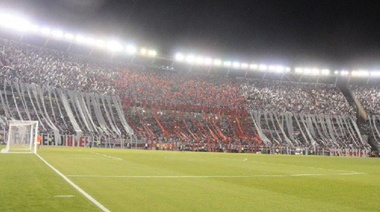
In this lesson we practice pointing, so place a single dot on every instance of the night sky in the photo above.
(334, 32)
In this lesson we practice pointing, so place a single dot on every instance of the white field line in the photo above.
(64, 196)
(216, 176)
(284, 164)
(89, 197)
(83, 159)
(115, 158)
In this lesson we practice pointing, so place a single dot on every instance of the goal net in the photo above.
(22, 137)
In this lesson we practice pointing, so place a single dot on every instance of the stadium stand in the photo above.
(72, 94)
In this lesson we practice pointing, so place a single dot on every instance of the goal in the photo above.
(22, 137)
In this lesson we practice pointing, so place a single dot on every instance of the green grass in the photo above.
(266, 182)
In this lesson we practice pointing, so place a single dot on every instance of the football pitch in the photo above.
(136, 180)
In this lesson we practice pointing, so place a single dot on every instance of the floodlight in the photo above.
(344, 73)
(152, 53)
(279, 69)
(90, 41)
(236, 64)
(57, 34)
(244, 65)
(263, 67)
(69, 36)
(208, 61)
(190, 58)
(217, 62)
(253, 66)
(33, 28)
(227, 64)
(199, 60)
(100, 43)
(325, 72)
(360, 73)
(298, 70)
(46, 31)
(80, 39)
(14, 22)
(308, 71)
(287, 69)
(315, 71)
(375, 73)
(131, 49)
(114, 46)
(143, 51)
(179, 57)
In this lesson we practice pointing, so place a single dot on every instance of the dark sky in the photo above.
(337, 32)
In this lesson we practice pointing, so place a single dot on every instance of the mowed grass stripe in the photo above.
(27, 184)
(330, 189)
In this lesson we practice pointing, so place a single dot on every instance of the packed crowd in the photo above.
(31, 64)
(189, 89)
(295, 97)
(369, 96)
(178, 88)
(169, 104)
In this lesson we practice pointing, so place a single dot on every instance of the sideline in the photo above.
(222, 176)
(89, 197)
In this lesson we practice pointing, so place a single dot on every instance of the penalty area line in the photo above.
(89, 197)
(111, 157)
(222, 176)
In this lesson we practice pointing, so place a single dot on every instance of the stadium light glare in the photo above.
(45, 31)
(208, 61)
(143, 51)
(33, 28)
(236, 64)
(80, 39)
(14, 22)
(179, 57)
(199, 60)
(360, 73)
(57, 34)
(190, 59)
(253, 66)
(114, 46)
(69, 36)
(90, 41)
(152, 53)
(298, 70)
(287, 69)
(227, 63)
(131, 49)
(279, 69)
(100, 43)
(263, 67)
(375, 73)
(307, 71)
(344, 73)
(276, 68)
(244, 65)
(217, 62)
(325, 72)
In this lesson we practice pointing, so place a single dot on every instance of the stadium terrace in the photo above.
(187, 102)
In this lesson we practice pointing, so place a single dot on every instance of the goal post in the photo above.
(22, 137)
